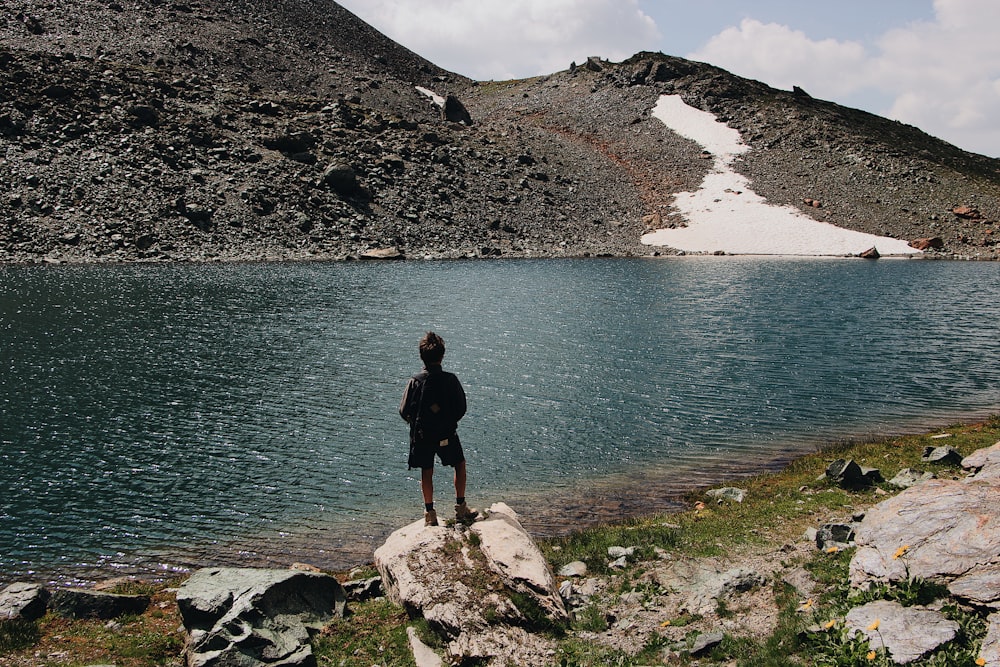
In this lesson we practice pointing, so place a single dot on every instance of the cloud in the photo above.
(942, 76)
(504, 39)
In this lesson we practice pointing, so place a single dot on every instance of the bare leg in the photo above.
(427, 484)
(460, 480)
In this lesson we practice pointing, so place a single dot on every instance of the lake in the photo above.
(155, 418)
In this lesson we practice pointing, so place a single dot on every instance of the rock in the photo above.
(931, 243)
(251, 617)
(423, 655)
(967, 213)
(575, 569)
(454, 111)
(705, 642)
(704, 585)
(871, 253)
(24, 601)
(907, 633)
(466, 588)
(79, 603)
(989, 651)
(984, 462)
(359, 590)
(727, 493)
(144, 116)
(382, 253)
(849, 475)
(801, 580)
(943, 455)
(620, 552)
(908, 477)
(340, 178)
(942, 530)
(839, 535)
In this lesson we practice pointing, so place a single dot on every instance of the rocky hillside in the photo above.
(221, 129)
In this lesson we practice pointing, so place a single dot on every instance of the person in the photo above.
(433, 403)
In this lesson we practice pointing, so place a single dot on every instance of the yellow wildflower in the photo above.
(833, 550)
(829, 624)
(900, 551)
(665, 623)
(874, 625)
(805, 605)
(870, 656)
(980, 661)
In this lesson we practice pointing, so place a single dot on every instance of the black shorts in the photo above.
(422, 453)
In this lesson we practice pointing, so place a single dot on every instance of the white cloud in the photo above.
(942, 76)
(503, 39)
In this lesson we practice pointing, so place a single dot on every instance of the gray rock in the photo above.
(251, 617)
(455, 111)
(705, 642)
(943, 455)
(24, 601)
(575, 569)
(839, 535)
(359, 590)
(990, 648)
(984, 462)
(620, 552)
(708, 586)
(423, 655)
(341, 178)
(466, 597)
(79, 603)
(847, 474)
(907, 633)
(727, 493)
(942, 530)
(908, 477)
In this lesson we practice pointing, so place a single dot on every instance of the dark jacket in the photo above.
(433, 403)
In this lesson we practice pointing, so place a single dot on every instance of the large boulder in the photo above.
(907, 633)
(483, 589)
(81, 603)
(24, 601)
(942, 530)
(255, 617)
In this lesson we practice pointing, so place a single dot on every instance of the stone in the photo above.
(341, 178)
(252, 617)
(704, 585)
(984, 462)
(705, 642)
(944, 455)
(382, 253)
(839, 535)
(967, 213)
(907, 633)
(464, 583)
(942, 530)
(454, 111)
(23, 600)
(80, 603)
(575, 569)
(620, 552)
(727, 493)
(423, 655)
(871, 253)
(931, 243)
(849, 475)
(908, 477)
(360, 590)
(989, 651)
(144, 116)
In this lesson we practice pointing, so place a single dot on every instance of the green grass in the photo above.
(17, 634)
(374, 633)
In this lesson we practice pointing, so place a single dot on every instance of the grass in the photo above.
(777, 509)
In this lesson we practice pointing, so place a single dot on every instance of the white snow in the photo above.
(437, 99)
(726, 215)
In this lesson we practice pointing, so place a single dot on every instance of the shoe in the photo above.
(430, 518)
(463, 514)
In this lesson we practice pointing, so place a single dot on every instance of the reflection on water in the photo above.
(247, 413)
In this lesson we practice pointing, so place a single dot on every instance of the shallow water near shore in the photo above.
(157, 418)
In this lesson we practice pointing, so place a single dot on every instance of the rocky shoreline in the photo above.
(293, 131)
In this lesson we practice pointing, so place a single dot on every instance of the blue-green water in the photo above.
(160, 417)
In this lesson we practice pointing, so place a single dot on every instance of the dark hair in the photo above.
(431, 348)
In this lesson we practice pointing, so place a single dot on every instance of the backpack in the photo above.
(432, 421)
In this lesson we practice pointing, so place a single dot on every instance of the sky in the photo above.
(930, 63)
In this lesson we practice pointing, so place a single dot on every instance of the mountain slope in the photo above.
(158, 130)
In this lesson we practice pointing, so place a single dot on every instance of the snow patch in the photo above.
(437, 99)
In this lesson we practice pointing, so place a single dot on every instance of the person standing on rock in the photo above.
(433, 403)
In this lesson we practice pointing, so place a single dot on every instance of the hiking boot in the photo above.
(463, 514)
(430, 518)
